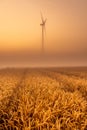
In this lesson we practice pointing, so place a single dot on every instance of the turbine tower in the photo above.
(43, 32)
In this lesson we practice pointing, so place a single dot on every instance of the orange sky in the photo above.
(20, 31)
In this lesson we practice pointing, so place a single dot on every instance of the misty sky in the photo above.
(20, 32)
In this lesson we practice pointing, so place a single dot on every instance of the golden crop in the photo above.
(43, 99)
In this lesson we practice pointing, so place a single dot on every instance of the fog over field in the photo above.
(65, 39)
(25, 59)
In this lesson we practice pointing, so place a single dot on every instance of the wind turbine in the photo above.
(43, 32)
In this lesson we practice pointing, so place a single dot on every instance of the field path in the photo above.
(10, 104)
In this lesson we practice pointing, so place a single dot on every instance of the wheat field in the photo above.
(43, 99)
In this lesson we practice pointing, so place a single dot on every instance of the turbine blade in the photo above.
(45, 20)
(42, 17)
(45, 26)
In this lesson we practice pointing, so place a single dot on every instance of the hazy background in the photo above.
(20, 32)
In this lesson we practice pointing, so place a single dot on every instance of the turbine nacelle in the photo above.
(43, 23)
